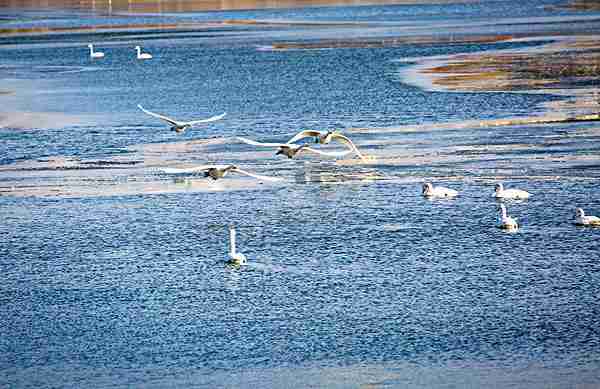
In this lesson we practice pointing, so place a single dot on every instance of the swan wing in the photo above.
(254, 143)
(257, 176)
(304, 134)
(210, 119)
(344, 139)
(161, 117)
(327, 153)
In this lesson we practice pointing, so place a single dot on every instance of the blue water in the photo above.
(351, 281)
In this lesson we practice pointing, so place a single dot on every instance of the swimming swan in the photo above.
(141, 55)
(179, 126)
(582, 220)
(438, 191)
(218, 171)
(501, 193)
(290, 150)
(324, 137)
(95, 54)
(235, 258)
(506, 222)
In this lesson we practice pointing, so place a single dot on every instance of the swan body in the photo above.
(95, 54)
(218, 171)
(517, 194)
(438, 191)
(141, 55)
(290, 150)
(582, 220)
(506, 222)
(325, 137)
(235, 258)
(180, 126)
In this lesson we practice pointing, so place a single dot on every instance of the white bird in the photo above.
(324, 137)
(501, 193)
(438, 191)
(506, 222)
(217, 171)
(235, 258)
(141, 55)
(291, 149)
(179, 126)
(582, 220)
(95, 54)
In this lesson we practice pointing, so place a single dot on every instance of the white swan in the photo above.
(582, 220)
(95, 54)
(501, 193)
(438, 191)
(235, 258)
(290, 150)
(506, 222)
(324, 137)
(217, 171)
(141, 55)
(179, 126)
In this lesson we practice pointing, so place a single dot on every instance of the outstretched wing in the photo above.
(254, 143)
(327, 153)
(257, 176)
(210, 119)
(161, 117)
(304, 134)
(344, 139)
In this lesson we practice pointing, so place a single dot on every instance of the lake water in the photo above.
(114, 274)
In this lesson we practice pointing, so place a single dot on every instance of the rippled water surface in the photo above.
(114, 274)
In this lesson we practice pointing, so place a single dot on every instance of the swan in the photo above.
(438, 191)
(218, 171)
(235, 258)
(506, 222)
(179, 126)
(290, 150)
(582, 220)
(141, 55)
(324, 137)
(501, 193)
(95, 54)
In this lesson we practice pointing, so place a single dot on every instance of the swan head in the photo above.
(238, 259)
(90, 45)
(286, 150)
(138, 48)
(427, 188)
(579, 212)
(498, 188)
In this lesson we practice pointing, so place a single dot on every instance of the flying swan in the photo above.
(506, 222)
(235, 258)
(324, 137)
(438, 191)
(217, 171)
(95, 54)
(582, 220)
(501, 193)
(141, 55)
(178, 126)
(290, 150)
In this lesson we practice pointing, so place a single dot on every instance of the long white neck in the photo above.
(232, 240)
(503, 210)
(91, 50)
(139, 51)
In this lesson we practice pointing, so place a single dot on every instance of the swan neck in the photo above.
(503, 210)
(232, 240)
